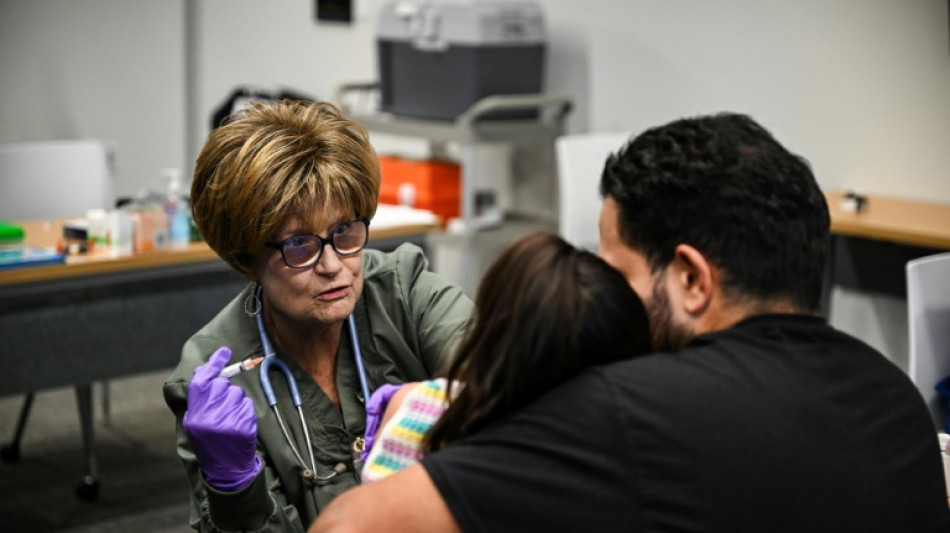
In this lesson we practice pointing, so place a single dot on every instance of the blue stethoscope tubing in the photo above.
(271, 361)
(358, 357)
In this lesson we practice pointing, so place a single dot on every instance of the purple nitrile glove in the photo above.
(375, 408)
(221, 426)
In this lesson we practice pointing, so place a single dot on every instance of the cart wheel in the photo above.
(88, 489)
(10, 453)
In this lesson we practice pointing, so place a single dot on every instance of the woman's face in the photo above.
(324, 293)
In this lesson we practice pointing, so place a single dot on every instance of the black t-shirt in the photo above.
(780, 424)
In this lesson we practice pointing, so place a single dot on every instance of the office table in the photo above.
(870, 248)
(97, 318)
(895, 220)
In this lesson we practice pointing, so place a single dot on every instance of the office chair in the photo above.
(580, 161)
(928, 308)
(57, 179)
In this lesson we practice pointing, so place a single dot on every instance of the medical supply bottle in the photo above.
(179, 215)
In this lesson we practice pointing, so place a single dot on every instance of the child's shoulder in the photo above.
(401, 395)
(427, 396)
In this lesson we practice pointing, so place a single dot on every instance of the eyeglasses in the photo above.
(302, 251)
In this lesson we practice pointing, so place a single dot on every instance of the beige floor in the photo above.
(142, 485)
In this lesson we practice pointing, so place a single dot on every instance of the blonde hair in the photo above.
(274, 161)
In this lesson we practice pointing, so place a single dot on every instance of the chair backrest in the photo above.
(928, 307)
(580, 161)
(55, 179)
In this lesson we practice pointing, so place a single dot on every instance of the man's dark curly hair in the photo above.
(725, 186)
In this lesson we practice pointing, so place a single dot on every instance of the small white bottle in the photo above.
(121, 230)
(179, 215)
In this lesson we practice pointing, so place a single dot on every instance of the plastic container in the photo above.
(436, 60)
(11, 239)
(178, 210)
(121, 232)
(430, 185)
(150, 228)
(97, 229)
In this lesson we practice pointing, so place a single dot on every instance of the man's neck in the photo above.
(725, 313)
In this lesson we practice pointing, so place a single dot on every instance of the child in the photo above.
(545, 311)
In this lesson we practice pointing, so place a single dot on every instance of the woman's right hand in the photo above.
(221, 426)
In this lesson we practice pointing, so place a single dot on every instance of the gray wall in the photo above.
(859, 87)
(107, 69)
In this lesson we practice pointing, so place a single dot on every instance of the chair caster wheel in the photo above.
(88, 489)
(10, 453)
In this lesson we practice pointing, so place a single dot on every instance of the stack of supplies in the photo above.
(15, 253)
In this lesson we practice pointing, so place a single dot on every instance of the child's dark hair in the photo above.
(545, 310)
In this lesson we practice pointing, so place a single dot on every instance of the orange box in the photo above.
(431, 185)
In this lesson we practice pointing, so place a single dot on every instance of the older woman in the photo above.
(285, 194)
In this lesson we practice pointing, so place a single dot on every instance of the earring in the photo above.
(252, 304)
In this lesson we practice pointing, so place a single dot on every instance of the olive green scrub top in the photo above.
(409, 321)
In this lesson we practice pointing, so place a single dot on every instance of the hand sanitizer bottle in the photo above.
(179, 216)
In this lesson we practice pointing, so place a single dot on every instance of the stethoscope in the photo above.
(271, 361)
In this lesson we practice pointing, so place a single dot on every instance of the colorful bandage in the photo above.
(399, 443)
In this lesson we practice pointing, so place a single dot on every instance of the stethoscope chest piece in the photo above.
(358, 446)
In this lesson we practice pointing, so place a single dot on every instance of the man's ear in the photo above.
(694, 276)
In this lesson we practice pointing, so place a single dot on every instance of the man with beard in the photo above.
(754, 414)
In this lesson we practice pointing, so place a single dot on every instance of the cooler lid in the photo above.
(432, 26)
